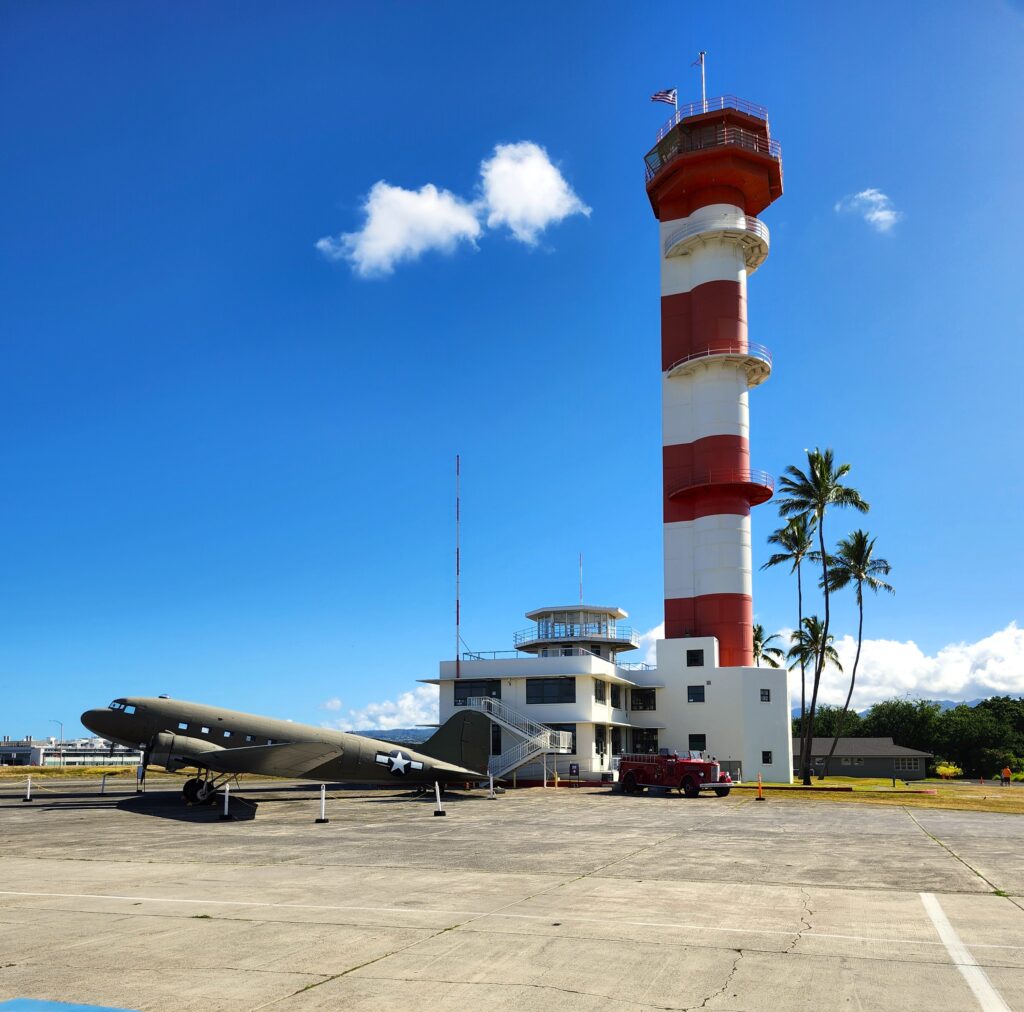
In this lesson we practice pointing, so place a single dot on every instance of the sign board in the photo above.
(574, 769)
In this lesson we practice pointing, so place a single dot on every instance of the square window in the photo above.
(129, 709)
(766, 758)
(846, 760)
(642, 699)
(249, 738)
(766, 695)
(698, 742)
(695, 658)
(695, 693)
(182, 726)
(227, 734)
(204, 730)
(857, 762)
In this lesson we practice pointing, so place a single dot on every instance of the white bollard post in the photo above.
(490, 783)
(28, 789)
(226, 814)
(323, 805)
(437, 794)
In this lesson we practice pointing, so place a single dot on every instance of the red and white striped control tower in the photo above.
(713, 169)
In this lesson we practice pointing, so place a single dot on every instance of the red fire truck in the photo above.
(689, 775)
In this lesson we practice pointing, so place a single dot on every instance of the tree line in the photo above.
(980, 739)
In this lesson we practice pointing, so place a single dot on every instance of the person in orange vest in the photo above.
(1006, 776)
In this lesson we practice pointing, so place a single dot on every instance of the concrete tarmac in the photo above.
(568, 899)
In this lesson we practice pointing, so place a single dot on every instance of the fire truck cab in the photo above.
(689, 775)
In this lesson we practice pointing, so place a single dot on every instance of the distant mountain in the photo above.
(400, 735)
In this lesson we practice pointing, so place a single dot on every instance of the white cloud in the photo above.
(991, 666)
(523, 190)
(419, 706)
(873, 206)
(331, 704)
(402, 225)
(520, 188)
(648, 643)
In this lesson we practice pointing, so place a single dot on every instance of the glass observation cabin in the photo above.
(596, 630)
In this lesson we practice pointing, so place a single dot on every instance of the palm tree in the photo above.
(795, 539)
(855, 563)
(814, 492)
(763, 652)
(807, 644)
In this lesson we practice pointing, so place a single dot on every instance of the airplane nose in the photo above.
(93, 720)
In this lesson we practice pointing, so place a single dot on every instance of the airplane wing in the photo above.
(288, 759)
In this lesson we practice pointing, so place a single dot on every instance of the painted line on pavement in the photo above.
(684, 926)
(977, 980)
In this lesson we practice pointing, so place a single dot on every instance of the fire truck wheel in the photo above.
(722, 792)
(629, 785)
(690, 788)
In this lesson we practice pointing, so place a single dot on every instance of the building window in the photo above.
(698, 742)
(551, 690)
(695, 658)
(766, 758)
(846, 760)
(495, 739)
(616, 741)
(600, 739)
(695, 693)
(571, 728)
(642, 699)
(600, 691)
(645, 740)
(766, 695)
(859, 761)
(466, 689)
(182, 726)
(616, 696)
(906, 763)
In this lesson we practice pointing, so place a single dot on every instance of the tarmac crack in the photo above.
(724, 987)
(632, 1002)
(805, 920)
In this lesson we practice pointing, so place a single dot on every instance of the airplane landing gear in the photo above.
(203, 791)
(190, 791)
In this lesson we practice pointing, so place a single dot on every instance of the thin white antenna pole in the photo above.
(458, 569)
(581, 578)
(703, 82)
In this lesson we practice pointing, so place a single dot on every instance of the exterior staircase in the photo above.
(535, 739)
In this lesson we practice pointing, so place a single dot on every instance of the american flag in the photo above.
(667, 96)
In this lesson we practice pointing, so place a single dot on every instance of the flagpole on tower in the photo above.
(703, 82)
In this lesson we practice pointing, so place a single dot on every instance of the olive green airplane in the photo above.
(220, 744)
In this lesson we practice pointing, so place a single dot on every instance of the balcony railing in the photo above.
(723, 476)
(750, 232)
(712, 136)
(756, 357)
(576, 631)
(714, 105)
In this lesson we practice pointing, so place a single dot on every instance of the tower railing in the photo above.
(714, 105)
(577, 631)
(731, 349)
(744, 226)
(715, 136)
(721, 476)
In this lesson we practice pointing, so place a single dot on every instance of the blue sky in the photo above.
(228, 459)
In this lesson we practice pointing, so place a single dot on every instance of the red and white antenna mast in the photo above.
(458, 569)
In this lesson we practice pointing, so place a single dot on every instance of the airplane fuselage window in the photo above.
(249, 738)
(182, 726)
(227, 734)
(204, 730)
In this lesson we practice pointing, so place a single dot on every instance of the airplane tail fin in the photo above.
(463, 740)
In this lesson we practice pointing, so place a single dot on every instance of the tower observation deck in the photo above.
(713, 169)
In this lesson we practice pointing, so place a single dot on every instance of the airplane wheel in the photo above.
(190, 790)
(204, 792)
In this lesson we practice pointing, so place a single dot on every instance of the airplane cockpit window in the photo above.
(129, 709)
(117, 704)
